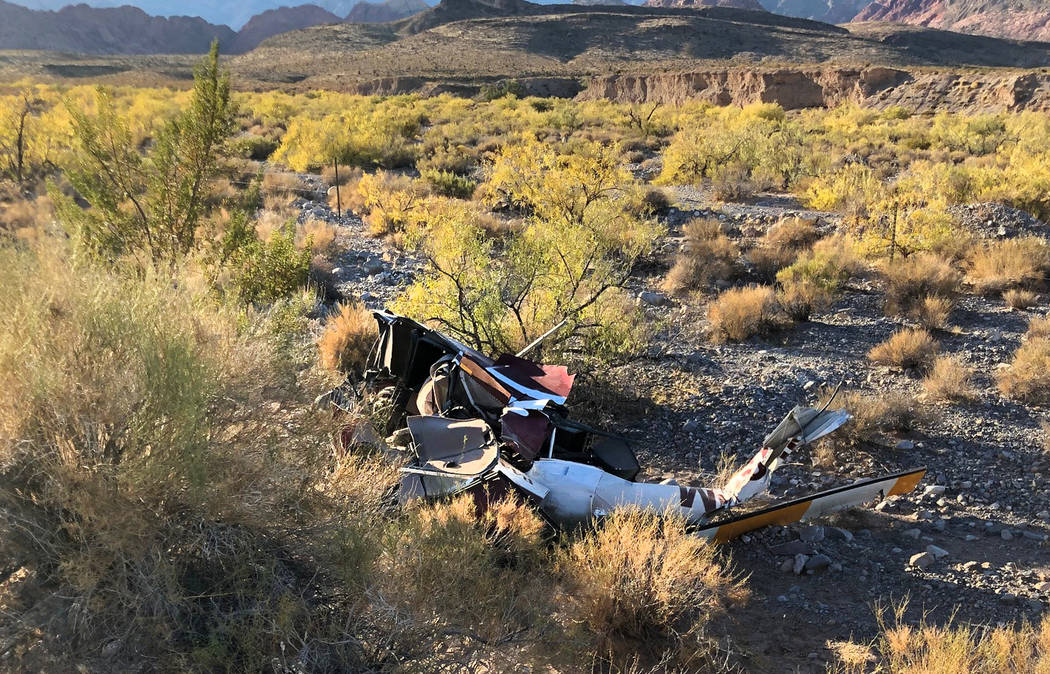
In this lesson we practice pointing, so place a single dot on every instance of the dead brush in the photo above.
(906, 349)
(707, 256)
(318, 235)
(1012, 263)
(740, 313)
(933, 312)
(949, 380)
(874, 415)
(912, 281)
(906, 648)
(781, 245)
(283, 186)
(1027, 377)
(1020, 299)
(642, 584)
(347, 338)
(448, 567)
(159, 484)
(1038, 327)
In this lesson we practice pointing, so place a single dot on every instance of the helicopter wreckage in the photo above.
(489, 428)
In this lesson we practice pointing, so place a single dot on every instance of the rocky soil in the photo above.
(970, 541)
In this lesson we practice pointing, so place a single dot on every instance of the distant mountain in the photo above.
(734, 4)
(121, 30)
(381, 12)
(234, 13)
(448, 11)
(276, 21)
(829, 11)
(1018, 19)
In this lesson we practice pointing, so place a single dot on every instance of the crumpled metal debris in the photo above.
(489, 427)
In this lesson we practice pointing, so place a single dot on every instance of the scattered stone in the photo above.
(911, 533)
(811, 534)
(1043, 514)
(792, 548)
(1006, 535)
(933, 490)
(787, 565)
(970, 567)
(921, 560)
(938, 553)
(654, 298)
(905, 445)
(800, 564)
(1043, 587)
(841, 534)
(818, 563)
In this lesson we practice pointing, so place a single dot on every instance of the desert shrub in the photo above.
(348, 336)
(656, 200)
(949, 380)
(449, 184)
(912, 281)
(579, 240)
(800, 299)
(146, 205)
(707, 256)
(317, 235)
(447, 567)
(389, 202)
(641, 583)
(906, 349)
(256, 148)
(501, 89)
(1027, 377)
(874, 414)
(1011, 263)
(1038, 327)
(910, 649)
(740, 313)
(731, 182)
(266, 271)
(1019, 299)
(932, 312)
(146, 479)
(781, 245)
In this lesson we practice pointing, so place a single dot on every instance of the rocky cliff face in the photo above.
(919, 91)
(1017, 19)
(733, 4)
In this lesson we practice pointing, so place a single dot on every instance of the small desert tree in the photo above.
(148, 205)
(585, 227)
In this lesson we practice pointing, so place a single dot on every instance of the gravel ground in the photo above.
(972, 539)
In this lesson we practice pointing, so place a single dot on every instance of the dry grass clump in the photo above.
(447, 567)
(918, 649)
(642, 584)
(707, 256)
(932, 312)
(347, 174)
(284, 184)
(949, 380)
(1027, 377)
(781, 245)
(147, 481)
(1020, 299)
(906, 349)
(912, 283)
(347, 339)
(26, 218)
(873, 416)
(317, 234)
(1038, 327)
(739, 313)
(1000, 265)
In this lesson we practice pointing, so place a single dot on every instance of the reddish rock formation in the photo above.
(1017, 19)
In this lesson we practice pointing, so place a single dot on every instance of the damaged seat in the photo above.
(453, 446)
